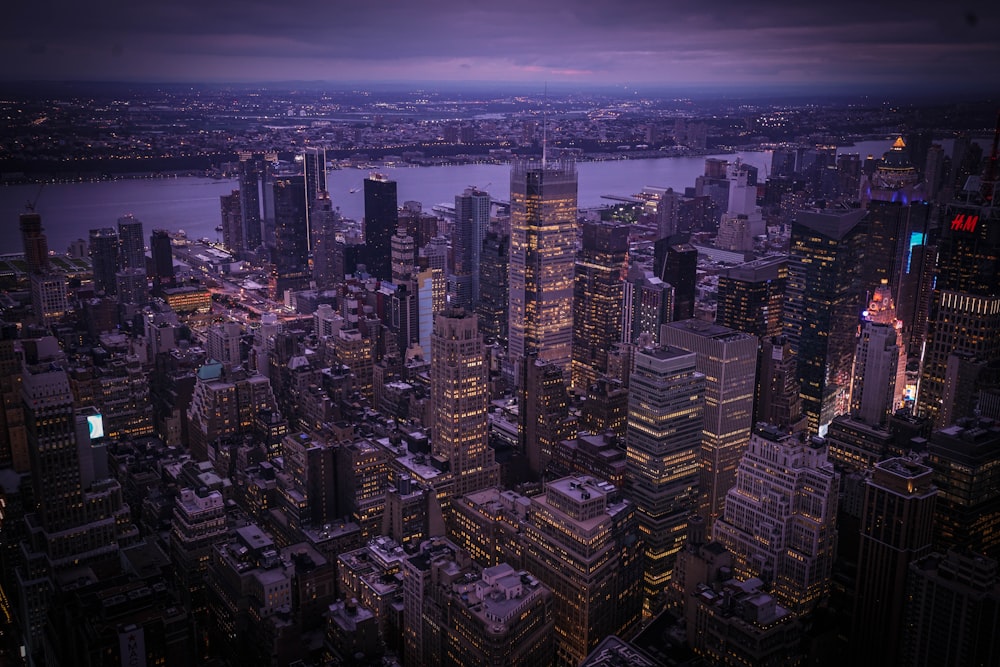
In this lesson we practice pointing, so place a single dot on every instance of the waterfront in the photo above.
(191, 204)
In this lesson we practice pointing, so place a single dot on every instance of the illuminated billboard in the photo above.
(95, 423)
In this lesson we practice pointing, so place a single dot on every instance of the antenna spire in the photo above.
(545, 117)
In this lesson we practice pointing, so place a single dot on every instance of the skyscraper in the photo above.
(459, 397)
(163, 258)
(494, 288)
(751, 297)
(381, 220)
(964, 315)
(896, 529)
(472, 215)
(663, 443)
(597, 299)
(104, 259)
(291, 235)
(254, 174)
(542, 252)
(821, 310)
(36, 246)
(676, 262)
(232, 222)
(131, 247)
(780, 518)
(728, 360)
(879, 375)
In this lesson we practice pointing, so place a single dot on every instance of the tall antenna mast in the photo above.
(545, 117)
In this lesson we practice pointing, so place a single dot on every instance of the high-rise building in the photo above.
(472, 215)
(104, 259)
(896, 529)
(314, 182)
(965, 457)
(494, 288)
(49, 299)
(255, 172)
(36, 245)
(893, 228)
(751, 296)
(544, 412)
(663, 443)
(459, 398)
(381, 221)
(232, 222)
(964, 315)
(822, 306)
(777, 400)
(291, 235)
(542, 252)
(163, 259)
(728, 360)
(675, 261)
(876, 387)
(780, 518)
(952, 611)
(597, 299)
(131, 246)
(579, 540)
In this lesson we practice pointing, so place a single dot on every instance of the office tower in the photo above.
(647, 304)
(36, 245)
(222, 344)
(430, 289)
(777, 400)
(579, 540)
(131, 247)
(544, 412)
(952, 611)
(381, 221)
(934, 172)
(663, 443)
(786, 492)
(324, 225)
(356, 351)
(542, 251)
(605, 409)
(675, 261)
(728, 360)
(896, 529)
(877, 385)
(965, 457)
(597, 299)
(404, 256)
(894, 227)
(822, 306)
(232, 222)
(132, 286)
(964, 315)
(291, 236)
(104, 259)
(163, 259)
(197, 524)
(458, 402)
(668, 213)
(314, 182)
(255, 172)
(494, 288)
(472, 215)
(49, 300)
(751, 296)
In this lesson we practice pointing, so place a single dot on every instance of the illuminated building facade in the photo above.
(579, 540)
(597, 300)
(542, 253)
(751, 297)
(459, 396)
(663, 443)
(822, 306)
(728, 360)
(896, 529)
(964, 316)
(780, 518)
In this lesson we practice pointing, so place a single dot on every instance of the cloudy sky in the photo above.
(921, 45)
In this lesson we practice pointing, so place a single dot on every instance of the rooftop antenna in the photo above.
(545, 109)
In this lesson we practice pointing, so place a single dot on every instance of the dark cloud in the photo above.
(688, 41)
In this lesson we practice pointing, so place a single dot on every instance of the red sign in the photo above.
(964, 223)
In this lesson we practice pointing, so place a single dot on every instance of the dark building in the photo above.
(472, 215)
(492, 306)
(104, 259)
(822, 307)
(597, 300)
(36, 246)
(896, 529)
(163, 259)
(232, 222)
(291, 235)
(676, 262)
(381, 221)
(131, 248)
(254, 174)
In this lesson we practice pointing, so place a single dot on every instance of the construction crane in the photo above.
(30, 205)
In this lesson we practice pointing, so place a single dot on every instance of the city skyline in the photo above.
(784, 46)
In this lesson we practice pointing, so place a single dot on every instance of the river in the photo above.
(70, 210)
